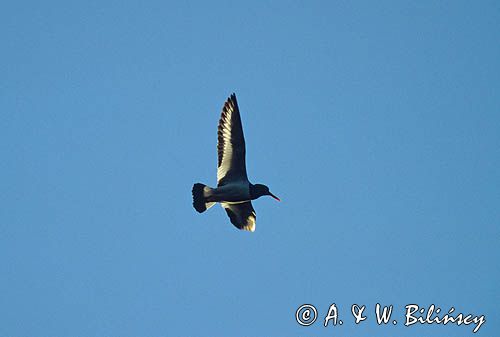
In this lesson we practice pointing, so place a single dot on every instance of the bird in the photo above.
(234, 191)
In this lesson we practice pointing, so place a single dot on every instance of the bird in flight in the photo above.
(234, 192)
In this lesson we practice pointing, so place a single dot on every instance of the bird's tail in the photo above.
(199, 202)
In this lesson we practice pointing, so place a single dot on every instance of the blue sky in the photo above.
(377, 123)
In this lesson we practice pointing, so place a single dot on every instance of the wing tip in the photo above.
(250, 228)
(232, 99)
(241, 220)
(230, 104)
(251, 223)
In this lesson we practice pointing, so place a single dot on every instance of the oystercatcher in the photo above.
(234, 192)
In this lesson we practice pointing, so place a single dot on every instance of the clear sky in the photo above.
(377, 123)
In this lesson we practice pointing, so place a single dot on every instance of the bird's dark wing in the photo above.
(242, 215)
(230, 145)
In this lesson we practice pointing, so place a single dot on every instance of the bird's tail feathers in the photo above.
(199, 201)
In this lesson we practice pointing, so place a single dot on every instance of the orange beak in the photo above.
(275, 197)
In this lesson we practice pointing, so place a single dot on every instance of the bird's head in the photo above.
(259, 190)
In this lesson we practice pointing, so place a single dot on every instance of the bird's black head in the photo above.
(259, 190)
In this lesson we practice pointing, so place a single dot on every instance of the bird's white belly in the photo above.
(234, 193)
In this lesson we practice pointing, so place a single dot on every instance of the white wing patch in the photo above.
(225, 146)
(230, 145)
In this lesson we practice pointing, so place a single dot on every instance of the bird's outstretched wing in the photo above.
(242, 215)
(230, 145)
